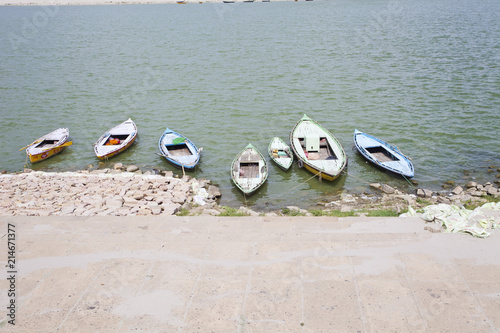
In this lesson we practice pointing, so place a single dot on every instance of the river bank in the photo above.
(127, 190)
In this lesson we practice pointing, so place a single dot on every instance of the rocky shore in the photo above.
(106, 192)
(122, 191)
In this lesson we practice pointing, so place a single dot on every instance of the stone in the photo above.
(69, 209)
(471, 184)
(457, 190)
(387, 189)
(169, 174)
(491, 190)
(449, 183)
(375, 186)
(138, 196)
(248, 211)
(212, 212)
(118, 166)
(214, 192)
(170, 208)
(179, 198)
(346, 197)
(114, 202)
(444, 200)
(424, 193)
(132, 168)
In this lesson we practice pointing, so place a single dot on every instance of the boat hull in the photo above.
(45, 155)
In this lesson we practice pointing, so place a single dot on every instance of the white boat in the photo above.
(249, 170)
(317, 149)
(116, 140)
(280, 153)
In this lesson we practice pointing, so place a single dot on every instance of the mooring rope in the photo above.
(300, 184)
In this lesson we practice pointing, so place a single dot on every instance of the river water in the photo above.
(423, 75)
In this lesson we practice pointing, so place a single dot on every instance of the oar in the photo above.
(30, 144)
(63, 145)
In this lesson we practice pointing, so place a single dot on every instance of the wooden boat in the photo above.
(383, 154)
(179, 150)
(280, 153)
(48, 145)
(317, 149)
(116, 140)
(249, 170)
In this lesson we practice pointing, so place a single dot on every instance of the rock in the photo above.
(169, 174)
(449, 183)
(471, 184)
(444, 200)
(212, 212)
(375, 185)
(248, 211)
(457, 190)
(118, 166)
(179, 198)
(204, 182)
(132, 168)
(114, 202)
(333, 205)
(346, 197)
(138, 196)
(387, 189)
(214, 192)
(66, 210)
(491, 190)
(424, 193)
(170, 208)
(155, 209)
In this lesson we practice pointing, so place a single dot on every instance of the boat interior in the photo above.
(46, 143)
(249, 169)
(322, 152)
(381, 154)
(179, 150)
(121, 137)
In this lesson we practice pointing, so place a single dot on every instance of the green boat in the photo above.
(249, 170)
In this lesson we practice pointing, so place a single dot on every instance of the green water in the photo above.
(423, 75)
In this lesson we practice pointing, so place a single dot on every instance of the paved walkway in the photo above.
(214, 274)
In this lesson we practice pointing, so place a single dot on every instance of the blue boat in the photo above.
(179, 150)
(383, 154)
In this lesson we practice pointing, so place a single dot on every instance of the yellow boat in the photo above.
(317, 149)
(48, 145)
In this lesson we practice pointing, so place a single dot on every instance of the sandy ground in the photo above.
(246, 274)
